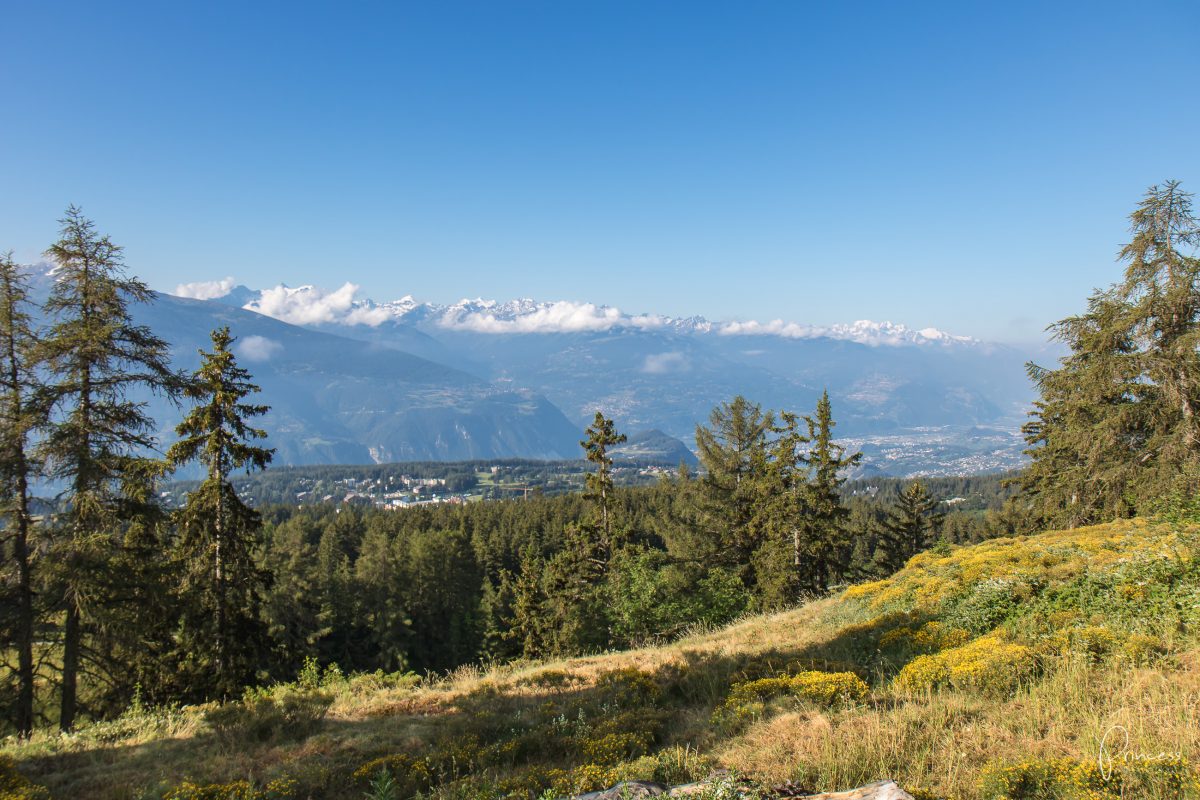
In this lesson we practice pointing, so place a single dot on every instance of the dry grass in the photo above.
(937, 741)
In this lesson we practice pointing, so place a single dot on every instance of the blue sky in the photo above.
(967, 166)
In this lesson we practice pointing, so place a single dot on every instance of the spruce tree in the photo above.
(18, 418)
(98, 436)
(1117, 425)
(825, 531)
(909, 528)
(733, 452)
(780, 513)
(601, 435)
(222, 634)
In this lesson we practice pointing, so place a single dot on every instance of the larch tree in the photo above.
(99, 438)
(222, 633)
(18, 418)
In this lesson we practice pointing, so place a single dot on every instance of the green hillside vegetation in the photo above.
(553, 645)
(986, 671)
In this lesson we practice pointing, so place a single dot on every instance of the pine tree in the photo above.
(909, 528)
(18, 418)
(1117, 424)
(601, 435)
(222, 631)
(98, 437)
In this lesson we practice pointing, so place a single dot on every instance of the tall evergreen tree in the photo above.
(1117, 424)
(780, 514)
(222, 632)
(909, 528)
(17, 420)
(601, 435)
(733, 451)
(98, 436)
(825, 531)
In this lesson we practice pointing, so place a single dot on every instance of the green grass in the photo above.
(993, 671)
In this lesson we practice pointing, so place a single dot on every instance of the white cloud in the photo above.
(662, 363)
(205, 290)
(863, 331)
(309, 305)
(257, 348)
(562, 316)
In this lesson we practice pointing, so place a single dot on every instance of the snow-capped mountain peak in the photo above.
(310, 305)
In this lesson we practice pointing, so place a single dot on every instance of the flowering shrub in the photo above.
(613, 748)
(989, 663)
(15, 786)
(279, 789)
(928, 638)
(1163, 778)
(747, 700)
(412, 774)
(627, 687)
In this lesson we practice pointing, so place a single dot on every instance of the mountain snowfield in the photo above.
(308, 305)
(915, 400)
(352, 381)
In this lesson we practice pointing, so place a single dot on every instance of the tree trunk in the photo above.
(24, 617)
(70, 666)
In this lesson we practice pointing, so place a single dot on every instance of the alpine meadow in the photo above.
(766, 475)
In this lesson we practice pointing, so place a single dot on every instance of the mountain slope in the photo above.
(991, 672)
(341, 400)
(892, 387)
(337, 400)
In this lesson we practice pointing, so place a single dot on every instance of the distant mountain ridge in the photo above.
(351, 381)
(914, 399)
(306, 305)
(336, 400)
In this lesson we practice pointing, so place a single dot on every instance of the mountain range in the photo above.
(355, 381)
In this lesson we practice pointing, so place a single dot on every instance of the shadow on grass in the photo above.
(518, 735)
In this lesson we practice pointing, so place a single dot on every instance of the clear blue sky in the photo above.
(963, 165)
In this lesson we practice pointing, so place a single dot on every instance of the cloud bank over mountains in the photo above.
(311, 305)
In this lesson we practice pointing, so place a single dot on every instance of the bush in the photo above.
(263, 715)
(747, 700)
(408, 774)
(15, 786)
(279, 789)
(627, 687)
(1165, 778)
(989, 663)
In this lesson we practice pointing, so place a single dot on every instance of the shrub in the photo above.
(408, 774)
(1142, 649)
(1164, 778)
(15, 786)
(627, 687)
(279, 789)
(265, 715)
(989, 663)
(747, 700)
(613, 748)
(928, 638)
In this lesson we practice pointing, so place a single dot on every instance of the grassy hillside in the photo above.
(1063, 665)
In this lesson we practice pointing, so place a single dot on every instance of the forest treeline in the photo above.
(109, 596)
